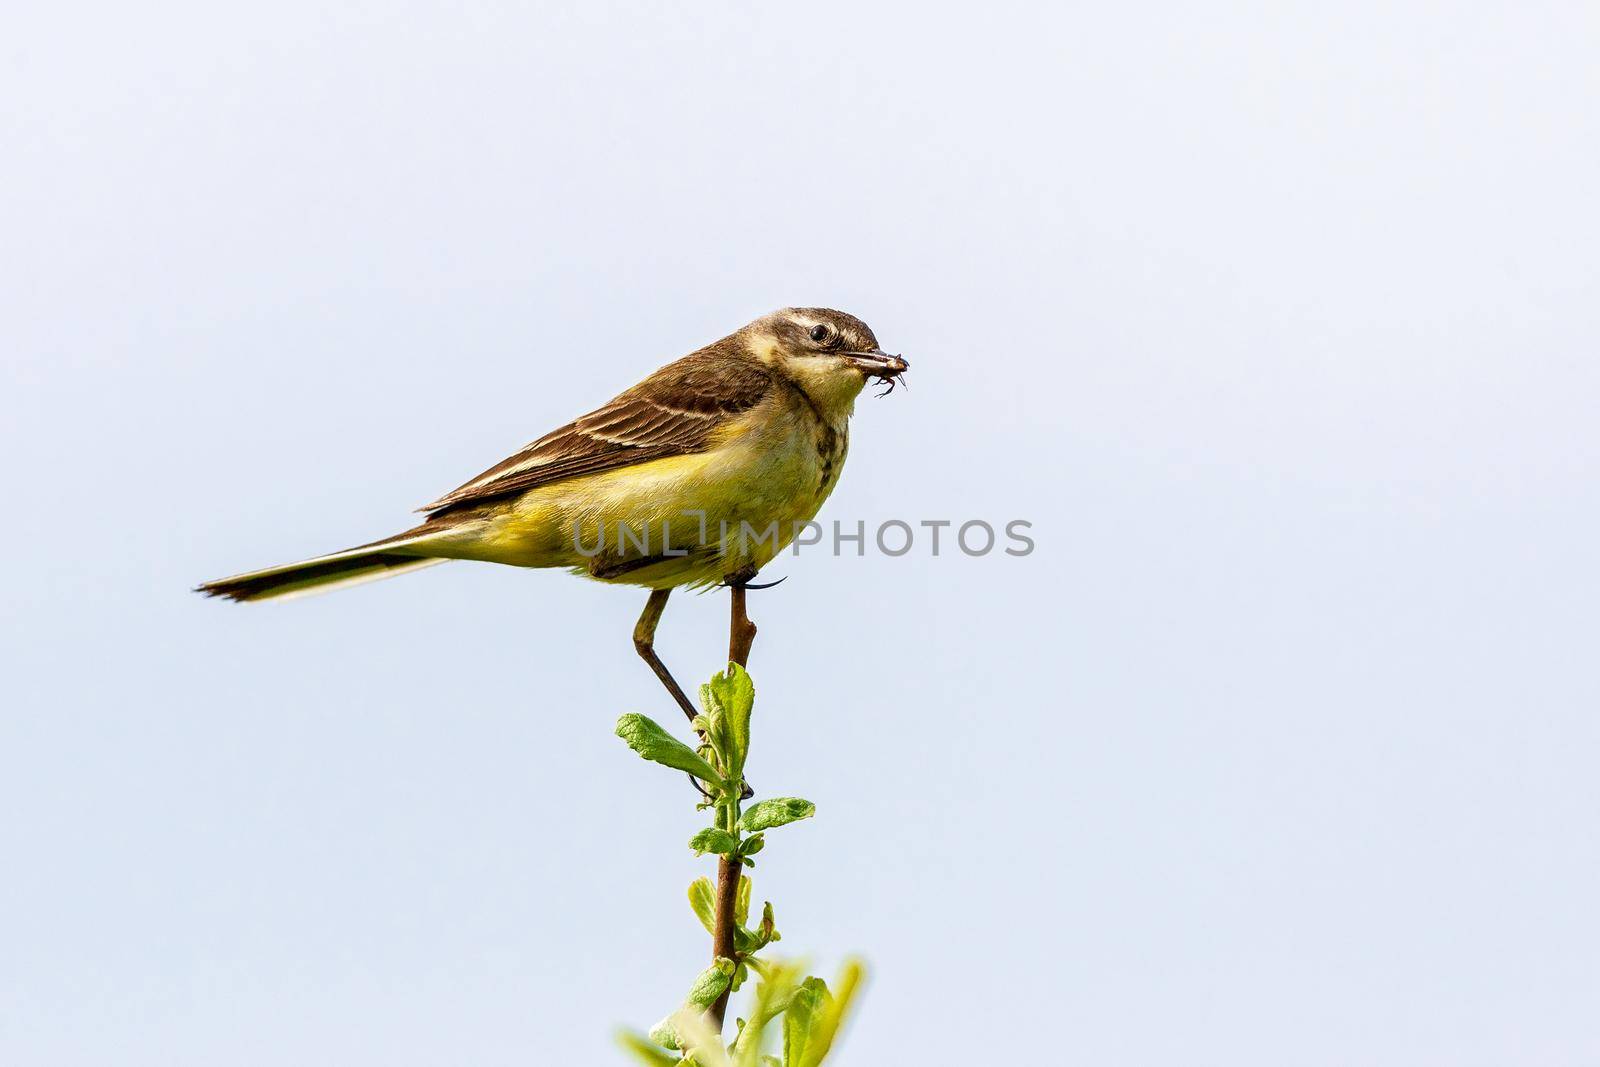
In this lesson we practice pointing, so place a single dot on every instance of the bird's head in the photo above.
(830, 354)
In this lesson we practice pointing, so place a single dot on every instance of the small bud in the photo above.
(710, 984)
(665, 1034)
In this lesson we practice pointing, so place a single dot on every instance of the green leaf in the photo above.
(768, 930)
(778, 811)
(729, 698)
(711, 982)
(826, 1025)
(703, 899)
(712, 839)
(741, 901)
(645, 1052)
(772, 995)
(752, 845)
(646, 737)
(799, 1019)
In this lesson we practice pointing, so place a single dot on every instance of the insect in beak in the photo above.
(882, 365)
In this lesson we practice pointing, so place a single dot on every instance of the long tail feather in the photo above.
(338, 570)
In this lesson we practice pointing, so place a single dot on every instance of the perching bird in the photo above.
(699, 474)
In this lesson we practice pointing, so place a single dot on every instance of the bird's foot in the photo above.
(742, 580)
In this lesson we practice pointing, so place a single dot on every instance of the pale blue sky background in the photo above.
(1278, 321)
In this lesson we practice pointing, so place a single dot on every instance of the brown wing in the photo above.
(673, 412)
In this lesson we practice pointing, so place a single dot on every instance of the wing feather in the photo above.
(674, 412)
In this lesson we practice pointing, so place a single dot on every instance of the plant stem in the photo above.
(728, 871)
(741, 635)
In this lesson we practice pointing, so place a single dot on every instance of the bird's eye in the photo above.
(820, 333)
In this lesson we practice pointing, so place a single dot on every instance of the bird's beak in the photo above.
(878, 363)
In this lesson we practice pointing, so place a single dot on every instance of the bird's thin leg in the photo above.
(741, 631)
(644, 636)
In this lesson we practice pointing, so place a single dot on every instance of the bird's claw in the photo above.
(742, 580)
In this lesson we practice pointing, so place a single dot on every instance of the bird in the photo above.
(695, 477)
